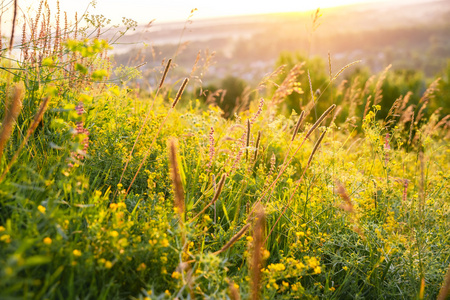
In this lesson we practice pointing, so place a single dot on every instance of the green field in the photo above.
(109, 191)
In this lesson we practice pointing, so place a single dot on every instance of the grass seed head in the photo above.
(299, 122)
(176, 177)
(180, 92)
(322, 117)
(14, 104)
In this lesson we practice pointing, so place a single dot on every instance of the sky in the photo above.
(143, 11)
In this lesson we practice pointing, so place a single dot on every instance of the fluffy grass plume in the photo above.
(36, 120)
(178, 190)
(13, 105)
(257, 252)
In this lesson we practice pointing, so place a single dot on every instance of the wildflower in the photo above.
(176, 275)
(165, 243)
(5, 238)
(114, 233)
(2, 228)
(141, 267)
(41, 209)
(123, 242)
(276, 267)
(76, 252)
(313, 262)
(47, 241)
(345, 268)
(108, 264)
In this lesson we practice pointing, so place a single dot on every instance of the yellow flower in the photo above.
(2, 228)
(313, 262)
(141, 267)
(41, 209)
(47, 241)
(345, 268)
(276, 267)
(114, 233)
(165, 243)
(108, 264)
(176, 275)
(76, 252)
(5, 238)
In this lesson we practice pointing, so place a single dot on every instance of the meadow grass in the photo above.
(105, 194)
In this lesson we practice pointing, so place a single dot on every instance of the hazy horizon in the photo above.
(173, 11)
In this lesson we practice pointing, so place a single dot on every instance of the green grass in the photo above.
(69, 230)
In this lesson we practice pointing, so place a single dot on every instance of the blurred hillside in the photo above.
(408, 35)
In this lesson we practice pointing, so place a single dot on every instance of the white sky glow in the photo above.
(143, 11)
